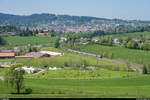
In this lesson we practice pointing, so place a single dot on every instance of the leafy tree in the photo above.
(120, 40)
(57, 44)
(132, 45)
(14, 77)
(128, 39)
(84, 63)
(145, 46)
(145, 70)
(142, 39)
(2, 41)
(107, 40)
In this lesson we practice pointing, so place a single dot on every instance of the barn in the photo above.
(7, 55)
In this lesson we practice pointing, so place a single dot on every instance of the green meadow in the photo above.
(124, 54)
(65, 88)
(107, 82)
(133, 35)
(82, 74)
(69, 58)
(33, 40)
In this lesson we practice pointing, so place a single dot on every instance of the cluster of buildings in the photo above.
(76, 29)
(40, 54)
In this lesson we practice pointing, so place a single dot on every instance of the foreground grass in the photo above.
(108, 88)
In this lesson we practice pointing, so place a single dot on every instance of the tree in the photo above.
(2, 41)
(84, 63)
(57, 44)
(142, 39)
(132, 45)
(107, 40)
(145, 46)
(128, 39)
(14, 77)
(145, 70)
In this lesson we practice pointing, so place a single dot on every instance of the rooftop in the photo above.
(7, 54)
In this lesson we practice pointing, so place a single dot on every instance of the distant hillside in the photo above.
(39, 20)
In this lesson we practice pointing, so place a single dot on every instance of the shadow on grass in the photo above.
(26, 92)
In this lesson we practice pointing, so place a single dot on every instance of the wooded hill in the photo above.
(63, 20)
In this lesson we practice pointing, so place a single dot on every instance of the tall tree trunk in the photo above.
(18, 88)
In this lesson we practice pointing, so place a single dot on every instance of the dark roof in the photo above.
(37, 54)
(23, 56)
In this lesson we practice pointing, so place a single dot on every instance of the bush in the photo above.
(60, 92)
(104, 54)
(66, 64)
(28, 91)
(116, 69)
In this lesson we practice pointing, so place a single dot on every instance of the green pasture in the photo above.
(82, 74)
(72, 60)
(103, 88)
(130, 55)
(33, 40)
(133, 35)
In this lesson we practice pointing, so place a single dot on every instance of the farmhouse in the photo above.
(37, 54)
(95, 39)
(7, 55)
(42, 34)
(62, 39)
(116, 41)
(10, 34)
(50, 68)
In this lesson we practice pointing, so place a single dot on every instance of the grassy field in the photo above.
(133, 35)
(103, 83)
(69, 58)
(21, 41)
(134, 56)
(109, 84)
(105, 88)
(82, 74)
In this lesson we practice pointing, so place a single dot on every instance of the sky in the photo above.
(122, 9)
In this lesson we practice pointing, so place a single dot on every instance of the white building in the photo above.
(116, 41)
(50, 68)
(52, 53)
(62, 39)
(28, 70)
